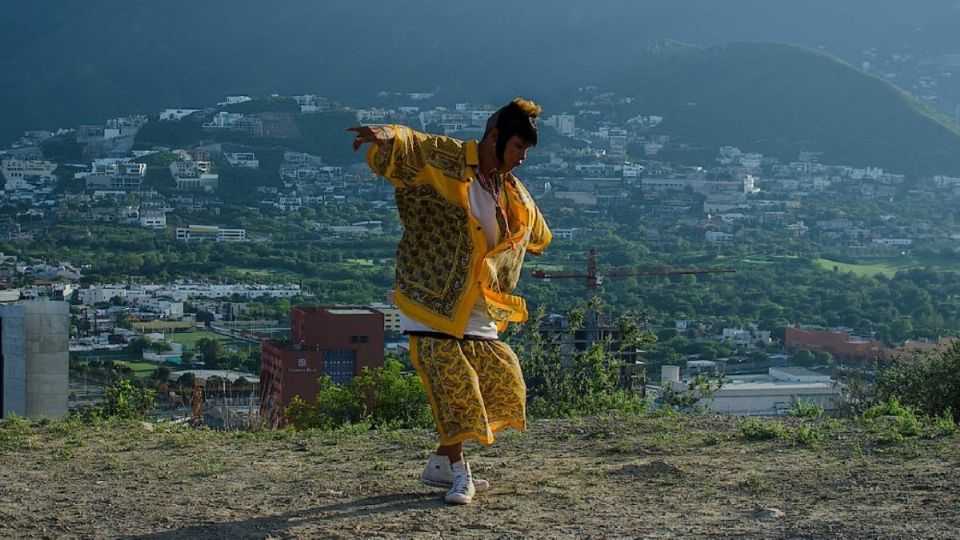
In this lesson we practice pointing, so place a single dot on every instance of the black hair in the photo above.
(519, 117)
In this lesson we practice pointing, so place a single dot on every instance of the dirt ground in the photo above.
(626, 477)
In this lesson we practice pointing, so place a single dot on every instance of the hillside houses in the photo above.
(115, 174)
(603, 165)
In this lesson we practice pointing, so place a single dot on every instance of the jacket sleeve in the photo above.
(540, 235)
(413, 158)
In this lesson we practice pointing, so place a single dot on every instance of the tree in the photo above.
(187, 380)
(212, 351)
(162, 374)
(823, 358)
(380, 396)
(127, 399)
(802, 357)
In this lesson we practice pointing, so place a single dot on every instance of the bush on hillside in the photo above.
(930, 384)
(379, 396)
(578, 382)
(127, 399)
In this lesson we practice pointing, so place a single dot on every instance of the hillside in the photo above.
(318, 134)
(772, 98)
(65, 64)
(782, 99)
(695, 476)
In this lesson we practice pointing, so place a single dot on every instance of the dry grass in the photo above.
(615, 476)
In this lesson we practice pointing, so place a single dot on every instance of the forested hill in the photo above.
(62, 64)
(782, 99)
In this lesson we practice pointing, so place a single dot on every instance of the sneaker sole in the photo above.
(479, 485)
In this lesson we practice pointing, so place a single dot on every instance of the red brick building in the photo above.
(839, 344)
(334, 341)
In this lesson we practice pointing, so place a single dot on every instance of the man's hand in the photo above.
(381, 135)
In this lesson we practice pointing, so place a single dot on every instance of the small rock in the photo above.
(146, 426)
(769, 513)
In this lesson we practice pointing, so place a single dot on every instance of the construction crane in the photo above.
(594, 278)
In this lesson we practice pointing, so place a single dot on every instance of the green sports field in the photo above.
(888, 266)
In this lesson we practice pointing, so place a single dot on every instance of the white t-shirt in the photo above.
(484, 209)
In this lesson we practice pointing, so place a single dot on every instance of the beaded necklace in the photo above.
(494, 186)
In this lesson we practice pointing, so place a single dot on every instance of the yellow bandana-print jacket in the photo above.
(443, 265)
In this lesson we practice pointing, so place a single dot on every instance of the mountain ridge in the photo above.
(792, 99)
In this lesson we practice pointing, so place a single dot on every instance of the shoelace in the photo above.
(461, 481)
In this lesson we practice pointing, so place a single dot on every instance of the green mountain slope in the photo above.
(62, 64)
(783, 99)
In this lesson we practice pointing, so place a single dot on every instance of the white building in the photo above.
(310, 103)
(200, 233)
(745, 338)
(391, 316)
(565, 124)
(153, 219)
(751, 160)
(631, 170)
(116, 175)
(97, 295)
(20, 175)
(374, 116)
(176, 114)
(194, 176)
(770, 394)
(168, 309)
(565, 234)
(892, 242)
(718, 237)
(233, 100)
(223, 120)
(243, 159)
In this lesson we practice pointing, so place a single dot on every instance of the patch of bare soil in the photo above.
(647, 477)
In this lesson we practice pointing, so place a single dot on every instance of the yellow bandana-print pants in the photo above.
(475, 387)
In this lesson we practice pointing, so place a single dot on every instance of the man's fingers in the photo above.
(362, 136)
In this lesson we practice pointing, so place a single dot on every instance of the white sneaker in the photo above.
(437, 474)
(462, 490)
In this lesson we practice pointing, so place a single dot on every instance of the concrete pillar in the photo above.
(670, 373)
(13, 336)
(48, 336)
(35, 339)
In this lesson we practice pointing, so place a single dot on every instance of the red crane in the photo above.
(594, 278)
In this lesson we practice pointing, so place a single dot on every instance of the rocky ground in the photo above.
(620, 477)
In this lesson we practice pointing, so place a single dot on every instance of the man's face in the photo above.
(514, 153)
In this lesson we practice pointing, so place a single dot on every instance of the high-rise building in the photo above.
(34, 362)
(334, 341)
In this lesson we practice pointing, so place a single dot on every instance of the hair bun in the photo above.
(528, 107)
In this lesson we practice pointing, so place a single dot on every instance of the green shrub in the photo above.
(757, 430)
(890, 407)
(805, 408)
(945, 423)
(581, 382)
(893, 422)
(929, 384)
(381, 396)
(808, 435)
(15, 432)
(127, 400)
(700, 389)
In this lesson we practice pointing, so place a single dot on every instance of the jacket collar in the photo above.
(472, 153)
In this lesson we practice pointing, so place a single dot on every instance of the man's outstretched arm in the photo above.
(381, 135)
